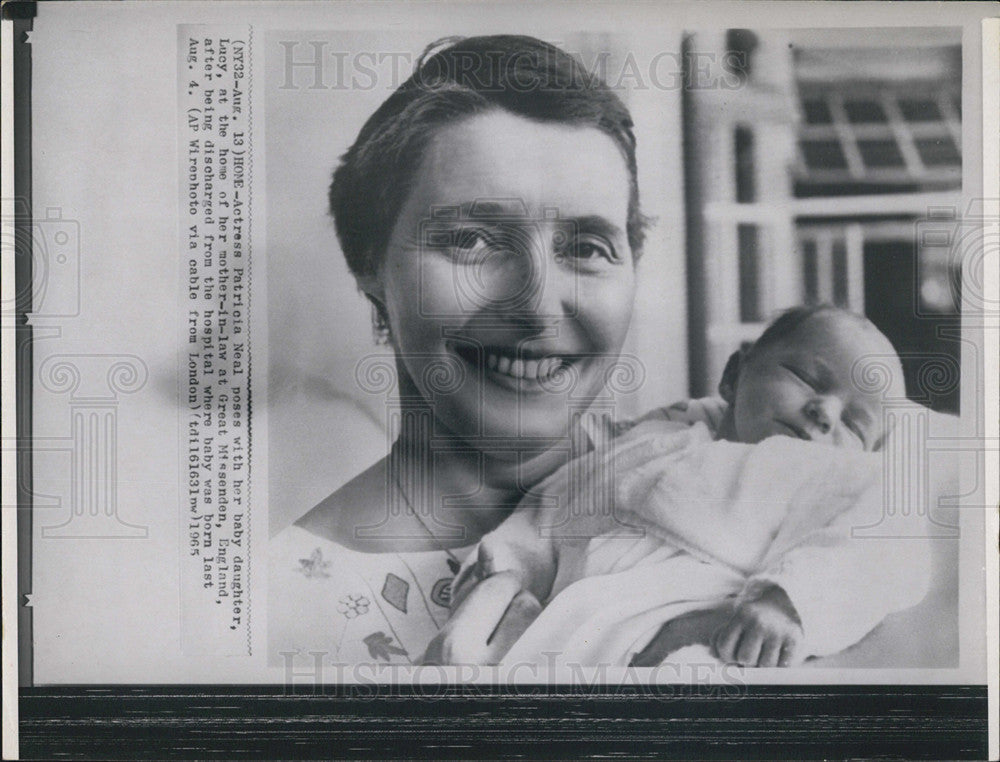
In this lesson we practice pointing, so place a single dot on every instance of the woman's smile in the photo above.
(519, 368)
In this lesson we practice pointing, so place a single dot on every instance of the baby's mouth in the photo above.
(797, 431)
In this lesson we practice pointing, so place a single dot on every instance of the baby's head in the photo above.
(798, 379)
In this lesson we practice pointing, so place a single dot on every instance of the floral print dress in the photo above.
(341, 606)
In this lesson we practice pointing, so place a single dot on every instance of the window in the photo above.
(898, 131)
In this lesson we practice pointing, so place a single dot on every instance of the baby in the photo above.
(778, 543)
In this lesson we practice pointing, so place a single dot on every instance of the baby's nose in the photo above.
(823, 412)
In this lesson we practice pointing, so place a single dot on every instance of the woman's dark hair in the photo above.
(521, 75)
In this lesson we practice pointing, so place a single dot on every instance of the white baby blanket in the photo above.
(669, 521)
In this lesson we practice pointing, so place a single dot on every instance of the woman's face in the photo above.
(508, 279)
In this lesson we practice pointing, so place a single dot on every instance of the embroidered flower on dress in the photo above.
(441, 592)
(314, 566)
(353, 605)
(395, 591)
(380, 646)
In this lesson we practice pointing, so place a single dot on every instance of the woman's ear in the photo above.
(731, 376)
(371, 286)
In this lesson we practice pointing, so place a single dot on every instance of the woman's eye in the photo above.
(468, 239)
(589, 248)
(477, 245)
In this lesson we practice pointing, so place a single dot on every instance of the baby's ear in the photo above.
(731, 375)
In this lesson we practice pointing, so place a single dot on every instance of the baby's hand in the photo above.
(764, 631)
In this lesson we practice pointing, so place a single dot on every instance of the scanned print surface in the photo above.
(429, 345)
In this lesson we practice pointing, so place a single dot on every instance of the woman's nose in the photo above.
(823, 412)
(547, 288)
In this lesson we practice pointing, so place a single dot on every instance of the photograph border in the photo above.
(479, 722)
(442, 721)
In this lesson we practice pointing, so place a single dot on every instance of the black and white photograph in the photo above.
(585, 361)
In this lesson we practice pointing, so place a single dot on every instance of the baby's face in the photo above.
(802, 386)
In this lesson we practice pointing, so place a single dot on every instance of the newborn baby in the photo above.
(774, 546)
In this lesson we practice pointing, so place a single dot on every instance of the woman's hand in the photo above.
(471, 574)
(485, 624)
(492, 557)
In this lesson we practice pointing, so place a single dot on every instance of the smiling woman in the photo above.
(534, 284)
(489, 211)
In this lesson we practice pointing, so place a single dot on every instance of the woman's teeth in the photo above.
(517, 368)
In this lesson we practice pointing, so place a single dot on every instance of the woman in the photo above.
(489, 211)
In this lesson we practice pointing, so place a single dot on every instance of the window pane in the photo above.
(749, 254)
(809, 274)
(746, 186)
(865, 111)
(823, 154)
(938, 152)
(880, 153)
(939, 287)
(919, 110)
(840, 272)
(816, 112)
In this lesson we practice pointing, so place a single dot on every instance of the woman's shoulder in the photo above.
(359, 517)
(298, 556)
(359, 503)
